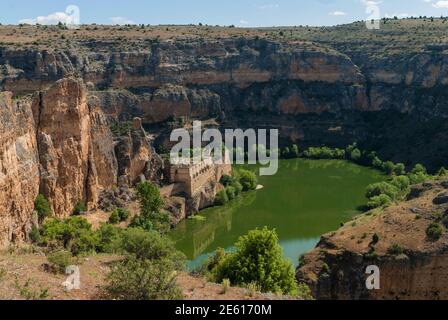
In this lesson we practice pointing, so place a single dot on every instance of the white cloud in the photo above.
(268, 6)
(53, 18)
(121, 20)
(440, 5)
(245, 22)
(338, 13)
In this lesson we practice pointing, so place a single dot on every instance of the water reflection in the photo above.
(195, 236)
(304, 200)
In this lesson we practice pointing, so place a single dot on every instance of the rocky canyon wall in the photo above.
(19, 169)
(60, 145)
(313, 94)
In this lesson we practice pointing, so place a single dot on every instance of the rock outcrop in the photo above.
(19, 169)
(412, 264)
(61, 146)
(304, 90)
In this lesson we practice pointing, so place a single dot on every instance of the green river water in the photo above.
(304, 200)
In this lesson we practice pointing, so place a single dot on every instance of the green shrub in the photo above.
(123, 214)
(148, 271)
(248, 180)
(86, 242)
(388, 167)
(135, 279)
(227, 180)
(419, 169)
(109, 238)
(74, 234)
(434, 231)
(60, 260)
(402, 183)
(151, 214)
(80, 208)
(400, 169)
(221, 198)
(114, 217)
(442, 172)
(377, 163)
(395, 250)
(416, 178)
(231, 193)
(380, 201)
(258, 259)
(304, 291)
(42, 207)
(355, 155)
(152, 246)
(238, 187)
(377, 189)
(149, 198)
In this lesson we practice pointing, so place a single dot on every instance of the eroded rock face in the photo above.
(19, 169)
(411, 265)
(64, 137)
(62, 147)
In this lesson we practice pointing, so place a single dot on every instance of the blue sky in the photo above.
(250, 13)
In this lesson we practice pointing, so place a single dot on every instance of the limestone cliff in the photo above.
(61, 146)
(305, 90)
(412, 265)
(19, 169)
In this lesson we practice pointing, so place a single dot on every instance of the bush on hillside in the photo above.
(380, 201)
(258, 259)
(151, 214)
(42, 207)
(60, 260)
(377, 189)
(434, 231)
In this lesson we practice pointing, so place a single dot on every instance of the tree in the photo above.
(258, 259)
(379, 201)
(151, 214)
(149, 269)
(248, 180)
(149, 197)
(134, 279)
(221, 198)
(388, 167)
(443, 172)
(379, 188)
(434, 231)
(226, 180)
(399, 169)
(42, 207)
(419, 169)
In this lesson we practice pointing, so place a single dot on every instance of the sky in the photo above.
(241, 13)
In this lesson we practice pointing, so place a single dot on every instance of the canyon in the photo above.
(63, 90)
